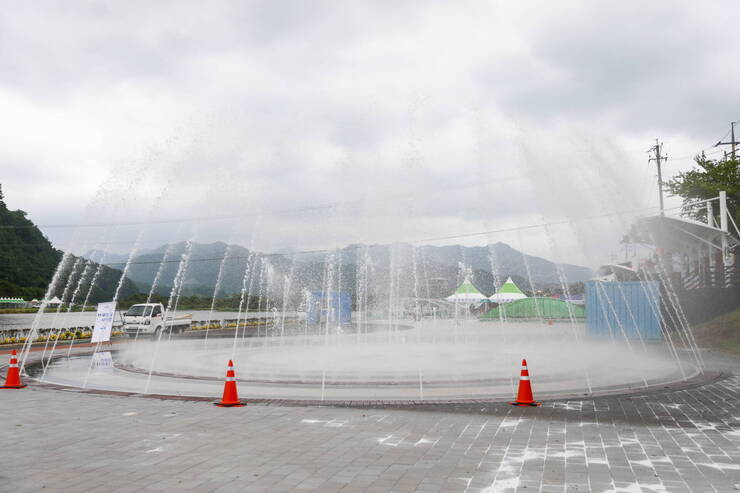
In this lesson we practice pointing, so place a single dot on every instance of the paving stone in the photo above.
(674, 441)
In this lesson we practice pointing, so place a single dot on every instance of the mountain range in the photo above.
(423, 271)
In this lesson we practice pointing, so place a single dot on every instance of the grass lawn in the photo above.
(722, 332)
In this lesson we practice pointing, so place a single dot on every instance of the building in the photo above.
(695, 260)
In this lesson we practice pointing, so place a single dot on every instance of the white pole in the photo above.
(723, 213)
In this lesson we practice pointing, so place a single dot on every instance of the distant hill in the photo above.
(424, 271)
(28, 261)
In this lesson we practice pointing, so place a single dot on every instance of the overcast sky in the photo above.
(310, 124)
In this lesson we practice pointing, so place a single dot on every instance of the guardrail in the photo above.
(230, 323)
(18, 335)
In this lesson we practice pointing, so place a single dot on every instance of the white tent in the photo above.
(55, 301)
(508, 292)
(466, 293)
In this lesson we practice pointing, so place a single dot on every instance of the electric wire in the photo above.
(418, 240)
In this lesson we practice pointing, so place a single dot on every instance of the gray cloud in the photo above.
(646, 66)
(416, 119)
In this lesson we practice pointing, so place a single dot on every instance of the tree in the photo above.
(706, 182)
(28, 262)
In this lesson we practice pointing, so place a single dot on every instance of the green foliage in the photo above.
(27, 258)
(105, 286)
(28, 261)
(9, 290)
(137, 298)
(706, 182)
(228, 304)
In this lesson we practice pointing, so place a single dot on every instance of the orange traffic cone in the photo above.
(230, 397)
(524, 397)
(13, 380)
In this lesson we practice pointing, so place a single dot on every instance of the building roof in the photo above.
(677, 233)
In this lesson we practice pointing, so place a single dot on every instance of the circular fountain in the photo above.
(443, 360)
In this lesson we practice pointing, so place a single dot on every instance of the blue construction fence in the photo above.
(624, 309)
(338, 309)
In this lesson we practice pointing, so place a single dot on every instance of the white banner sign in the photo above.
(104, 322)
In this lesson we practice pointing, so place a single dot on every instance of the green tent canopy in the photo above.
(466, 293)
(536, 308)
(508, 292)
(11, 301)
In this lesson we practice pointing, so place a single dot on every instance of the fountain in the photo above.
(401, 356)
(403, 342)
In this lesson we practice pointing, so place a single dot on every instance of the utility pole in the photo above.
(732, 141)
(659, 159)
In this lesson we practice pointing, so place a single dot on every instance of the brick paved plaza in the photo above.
(673, 441)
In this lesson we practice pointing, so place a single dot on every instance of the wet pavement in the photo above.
(444, 362)
(669, 441)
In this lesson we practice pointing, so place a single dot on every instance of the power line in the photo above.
(175, 220)
(273, 212)
(419, 240)
(711, 153)
(692, 156)
(732, 141)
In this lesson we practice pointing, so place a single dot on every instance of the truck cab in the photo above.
(149, 319)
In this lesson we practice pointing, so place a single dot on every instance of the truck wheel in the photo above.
(156, 332)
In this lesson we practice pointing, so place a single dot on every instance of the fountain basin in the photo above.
(440, 361)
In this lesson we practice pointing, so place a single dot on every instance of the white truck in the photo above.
(148, 319)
